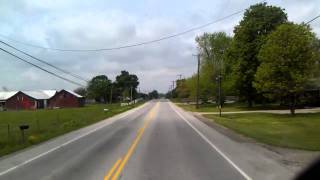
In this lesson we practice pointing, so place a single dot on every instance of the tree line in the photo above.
(268, 59)
(124, 89)
(103, 90)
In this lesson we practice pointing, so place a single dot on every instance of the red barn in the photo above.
(20, 101)
(65, 98)
(28, 100)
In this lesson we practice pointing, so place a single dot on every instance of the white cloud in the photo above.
(80, 24)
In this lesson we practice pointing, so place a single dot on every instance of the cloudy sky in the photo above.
(83, 24)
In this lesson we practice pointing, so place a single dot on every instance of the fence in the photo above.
(12, 134)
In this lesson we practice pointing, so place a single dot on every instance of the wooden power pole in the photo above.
(111, 94)
(198, 79)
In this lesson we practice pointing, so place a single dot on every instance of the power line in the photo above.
(313, 19)
(42, 61)
(130, 45)
(52, 73)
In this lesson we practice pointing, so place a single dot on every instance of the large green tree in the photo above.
(99, 88)
(124, 83)
(316, 72)
(259, 20)
(212, 47)
(182, 89)
(287, 60)
(153, 94)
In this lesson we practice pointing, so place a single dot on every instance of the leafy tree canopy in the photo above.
(124, 82)
(153, 94)
(99, 88)
(212, 47)
(287, 60)
(258, 21)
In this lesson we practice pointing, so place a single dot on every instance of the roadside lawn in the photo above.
(49, 123)
(229, 107)
(300, 131)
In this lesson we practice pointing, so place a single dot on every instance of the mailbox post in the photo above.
(23, 127)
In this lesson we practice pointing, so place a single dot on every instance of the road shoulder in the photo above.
(255, 160)
(293, 159)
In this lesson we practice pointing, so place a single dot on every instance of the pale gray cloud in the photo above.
(82, 24)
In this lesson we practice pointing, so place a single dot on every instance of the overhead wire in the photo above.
(313, 19)
(45, 62)
(130, 45)
(45, 70)
(100, 49)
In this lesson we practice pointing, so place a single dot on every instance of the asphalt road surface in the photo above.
(155, 141)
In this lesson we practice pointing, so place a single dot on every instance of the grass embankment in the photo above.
(46, 124)
(229, 107)
(300, 131)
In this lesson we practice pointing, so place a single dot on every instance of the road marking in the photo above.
(212, 145)
(133, 146)
(70, 141)
(112, 169)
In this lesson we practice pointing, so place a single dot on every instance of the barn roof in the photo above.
(49, 92)
(4, 95)
(41, 94)
(75, 94)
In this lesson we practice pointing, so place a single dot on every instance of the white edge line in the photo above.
(68, 142)
(212, 145)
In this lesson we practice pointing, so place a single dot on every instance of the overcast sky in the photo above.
(83, 24)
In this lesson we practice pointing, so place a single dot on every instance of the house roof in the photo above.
(4, 95)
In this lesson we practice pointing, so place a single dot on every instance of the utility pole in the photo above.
(111, 94)
(219, 79)
(131, 93)
(139, 93)
(198, 79)
(172, 89)
(220, 88)
(180, 76)
(219, 93)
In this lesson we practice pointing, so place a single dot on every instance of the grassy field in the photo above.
(228, 107)
(301, 131)
(46, 124)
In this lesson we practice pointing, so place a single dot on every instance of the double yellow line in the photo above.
(118, 166)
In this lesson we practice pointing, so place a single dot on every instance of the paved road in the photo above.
(155, 141)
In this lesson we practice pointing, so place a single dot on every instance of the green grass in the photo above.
(46, 124)
(229, 107)
(300, 132)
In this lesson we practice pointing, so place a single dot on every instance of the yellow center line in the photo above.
(107, 177)
(133, 146)
(139, 131)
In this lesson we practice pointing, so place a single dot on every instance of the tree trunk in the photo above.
(292, 110)
(249, 99)
(250, 102)
(292, 104)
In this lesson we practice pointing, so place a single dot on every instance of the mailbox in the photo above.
(24, 127)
